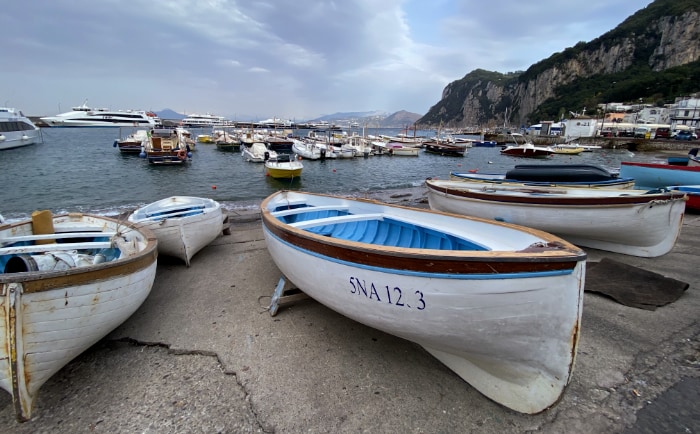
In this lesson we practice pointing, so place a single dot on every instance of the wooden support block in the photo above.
(284, 295)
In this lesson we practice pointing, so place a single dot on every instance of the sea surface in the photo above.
(80, 170)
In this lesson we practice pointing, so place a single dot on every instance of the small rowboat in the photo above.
(66, 282)
(498, 304)
(184, 225)
(632, 222)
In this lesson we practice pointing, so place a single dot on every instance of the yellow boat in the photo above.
(284, 166)
(567, 149)
(204, 138)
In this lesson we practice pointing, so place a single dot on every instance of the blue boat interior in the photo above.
(385, 231)
(175, 211)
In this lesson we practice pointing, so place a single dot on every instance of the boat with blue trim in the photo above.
(499, 304)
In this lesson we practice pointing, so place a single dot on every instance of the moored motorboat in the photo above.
(16, 130)
(257, 152)
(524, 148)
(184, 225)
(632, 222)
(133, 143)
(569, 175)
(454, 285)
(164, 148)
(284, 166)
(66, 282)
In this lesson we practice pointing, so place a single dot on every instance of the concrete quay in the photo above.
(203, 355)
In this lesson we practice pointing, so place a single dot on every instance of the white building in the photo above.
(685, 112)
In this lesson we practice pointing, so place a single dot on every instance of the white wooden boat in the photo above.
(284, 166)
(632, 222)
(498, 304)
(66, 282)
(184, 225)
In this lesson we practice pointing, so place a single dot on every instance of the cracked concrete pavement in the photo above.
(202, 354)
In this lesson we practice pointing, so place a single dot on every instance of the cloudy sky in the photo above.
(258, 59)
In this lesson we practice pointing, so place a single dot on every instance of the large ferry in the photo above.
(205, 121)
(84, 116)
(16, 130)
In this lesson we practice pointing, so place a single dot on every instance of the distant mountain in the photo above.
(346, 116)
(400, 119)
(169, 114)
(373, 119)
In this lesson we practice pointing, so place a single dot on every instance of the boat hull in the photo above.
(51, 316)
(466, 309)
(184, 225)
(652, 175)
(621, 221)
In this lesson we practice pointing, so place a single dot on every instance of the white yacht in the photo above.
(205, 121)
(16, 130)
(84, 116)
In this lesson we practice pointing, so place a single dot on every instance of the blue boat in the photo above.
(657, 175)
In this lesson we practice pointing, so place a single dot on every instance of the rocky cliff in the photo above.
(662, 36)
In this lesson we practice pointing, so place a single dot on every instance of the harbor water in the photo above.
(79, 170)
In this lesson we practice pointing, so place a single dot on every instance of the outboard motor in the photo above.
(267, 156)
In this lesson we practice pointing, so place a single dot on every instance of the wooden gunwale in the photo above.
(556, 256)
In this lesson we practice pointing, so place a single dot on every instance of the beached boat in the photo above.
(655, 175)
(454, 285)
(693, 192)
(693, 159)
(184, 225)
(66, 282)
(284, 166)
(632, 222)
(568, 175)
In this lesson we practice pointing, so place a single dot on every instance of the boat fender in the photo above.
(189, 155)
(142, 154)
(181, 154)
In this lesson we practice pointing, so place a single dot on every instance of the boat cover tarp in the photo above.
(632, 286)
